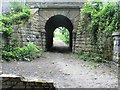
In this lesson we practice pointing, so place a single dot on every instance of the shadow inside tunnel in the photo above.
(60, 49)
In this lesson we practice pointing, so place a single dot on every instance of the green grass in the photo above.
(90, 57)
(62, 37)
(58, 35)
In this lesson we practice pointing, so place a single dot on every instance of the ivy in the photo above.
(104, 17)
(17, 15)
(12, 51)
(100, 20)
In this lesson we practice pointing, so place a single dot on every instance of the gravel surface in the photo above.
(65, 70)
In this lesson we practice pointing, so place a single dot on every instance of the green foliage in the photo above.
(90, 57)
(26, 53)
(65, 39)
(22, 16)
(100, 20)
(7, 56)
(66, 36)
(7, 30)
(6, 20)
(16, 7)
(18, 15)
(63, 35)
(104, 17)
(13, 51)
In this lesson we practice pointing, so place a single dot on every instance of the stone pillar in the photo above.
(116, 48)
(116, 53)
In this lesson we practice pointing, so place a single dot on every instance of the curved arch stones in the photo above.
(68, 17)
(71, 15)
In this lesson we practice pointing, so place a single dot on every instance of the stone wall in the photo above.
(83, 42)
(34, 29)
(15, 82)
(28, 31)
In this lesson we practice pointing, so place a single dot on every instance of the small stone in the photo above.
(67, 73)
(95, 78)
(103, 72)
(60, 70)
(35, 72)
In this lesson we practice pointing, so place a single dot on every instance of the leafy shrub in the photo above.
(7, 56)
(26, 53)
(99, 20)
(6, 20)
(90, 57)
(8, 30)
(13, 51)
(24, 16)
(17, 15)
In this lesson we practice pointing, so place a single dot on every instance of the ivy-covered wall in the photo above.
(15, 29)
(97, 23)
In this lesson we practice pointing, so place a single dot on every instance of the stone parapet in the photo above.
(56, 4)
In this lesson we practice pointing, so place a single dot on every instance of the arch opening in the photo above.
(61, 39)
(51, 25)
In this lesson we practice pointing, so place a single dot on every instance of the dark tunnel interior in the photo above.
(53, 23)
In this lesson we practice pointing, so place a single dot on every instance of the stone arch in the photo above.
(46, 14)
(73, 14)
(53, 23)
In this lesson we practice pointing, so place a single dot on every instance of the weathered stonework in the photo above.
(41, 13)
(83, 43)
(116, 48)
(46, 14)
(34, 30)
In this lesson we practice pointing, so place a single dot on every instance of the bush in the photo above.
(99, 20)
(24, 16)
(90, 57)
(17, 16)
(7, 56)
(26, 53)
(6, 21)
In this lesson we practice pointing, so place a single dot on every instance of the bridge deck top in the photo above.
(56, 4)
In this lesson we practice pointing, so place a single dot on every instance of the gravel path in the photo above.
(65, 70)
(57, 42)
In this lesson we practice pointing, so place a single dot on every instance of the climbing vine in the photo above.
(101, 20)
(18, 15)
(103, 17)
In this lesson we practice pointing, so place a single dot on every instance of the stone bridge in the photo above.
(46, 17)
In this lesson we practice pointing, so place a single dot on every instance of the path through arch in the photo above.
(53, 23)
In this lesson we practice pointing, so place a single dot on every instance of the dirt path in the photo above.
(58, 42)
(65, 70)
